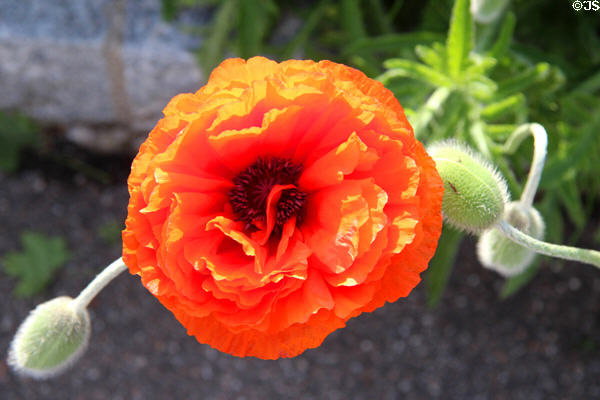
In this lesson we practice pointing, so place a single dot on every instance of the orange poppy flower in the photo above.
(279, 201)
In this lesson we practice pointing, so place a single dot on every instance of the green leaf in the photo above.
(251, 27)
(379, 17)
(310, 24)
(411, 69)
(426, 113)
(512, 104)
(110, 232)
(502, 44)
(553, 218)
(590, 85)
(515, 283)
(391, 42)
(558, 167)
(441, 265)
(169, 9)
(432, 56)
(569, 197)
(524, 80)
(460, 38)
(214, 47)
(35, 266)
(16, 133)
(352, 19)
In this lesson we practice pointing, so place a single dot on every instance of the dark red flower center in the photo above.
(252, 186)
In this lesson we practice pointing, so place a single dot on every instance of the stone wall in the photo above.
(101, 69)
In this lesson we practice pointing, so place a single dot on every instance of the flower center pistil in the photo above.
(252, 186)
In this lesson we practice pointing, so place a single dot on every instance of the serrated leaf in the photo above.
(36, 264)
(441, 265)
(460, 38)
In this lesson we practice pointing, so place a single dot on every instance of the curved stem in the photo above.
(554, 250)
(98, 283)
(540, 145)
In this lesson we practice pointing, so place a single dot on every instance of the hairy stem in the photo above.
(540, 145)
(554, 250)
(100, 281)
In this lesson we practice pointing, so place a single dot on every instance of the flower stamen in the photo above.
(252, 186)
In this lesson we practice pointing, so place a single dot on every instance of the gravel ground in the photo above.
(544, 343)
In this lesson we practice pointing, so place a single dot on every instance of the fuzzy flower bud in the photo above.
(52, 338)
(475, 193)
(497, 252)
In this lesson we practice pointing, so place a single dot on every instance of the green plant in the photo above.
(35, 266)
(479, 90)
(16, 133)
(110, 232)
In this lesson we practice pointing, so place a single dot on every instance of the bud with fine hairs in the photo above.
(475, 193)
(50, 339)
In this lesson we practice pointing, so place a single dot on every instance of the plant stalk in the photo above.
(98, 283)
(540, 146)
(553, 250)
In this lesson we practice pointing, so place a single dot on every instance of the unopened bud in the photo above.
(486, 11)
(475, 193)
(52, 338)
(499, 253)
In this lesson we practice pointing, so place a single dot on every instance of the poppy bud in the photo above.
(475, 193)
(486, 11)
(499, 253)
(52, 338)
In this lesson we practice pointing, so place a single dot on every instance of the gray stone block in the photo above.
(95, 67)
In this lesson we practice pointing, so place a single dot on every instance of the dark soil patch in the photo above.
(544, 343)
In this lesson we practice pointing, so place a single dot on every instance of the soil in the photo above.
(542, 343)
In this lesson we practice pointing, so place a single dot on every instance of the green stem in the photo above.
(554, 250)
(427, 111)
(540, 146)
(100, 281)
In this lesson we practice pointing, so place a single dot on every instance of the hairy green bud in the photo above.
(475, 193)
(499, 253)
(52, 337)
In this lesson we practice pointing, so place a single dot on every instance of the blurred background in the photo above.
(83, 81)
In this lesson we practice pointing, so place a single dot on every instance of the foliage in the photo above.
(479, 92)
(537, 62)
(110, 232)
(35, 266)
(16, 133)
